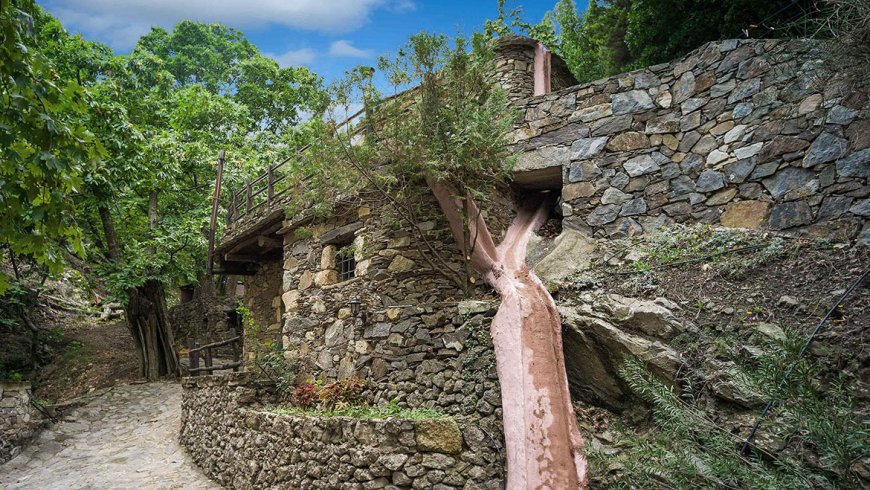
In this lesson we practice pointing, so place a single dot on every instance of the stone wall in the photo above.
(416, 345)
(241, 446)
(515, 68)
(17, 419)
(754, 134)
(262, 296)
(205, 318)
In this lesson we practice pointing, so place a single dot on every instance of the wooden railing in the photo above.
(256, 193)
(264, 190)
(196, 352)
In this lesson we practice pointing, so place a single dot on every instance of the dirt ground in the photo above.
(90, 354)
(726, 296)
(793, 288)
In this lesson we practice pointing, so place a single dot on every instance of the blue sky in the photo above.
(328, 36)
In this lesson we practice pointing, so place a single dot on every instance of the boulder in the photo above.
(595, 349)
(724, 385)
(647, 317)
(572, 253)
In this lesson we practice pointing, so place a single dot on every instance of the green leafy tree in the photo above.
(45, 149)
(122, 148)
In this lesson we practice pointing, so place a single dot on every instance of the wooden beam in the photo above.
(214, 211)
(229, 271)
(269, 242)
(244, 258)
(229, 365)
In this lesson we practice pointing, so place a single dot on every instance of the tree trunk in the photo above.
(149, 324)
(544, 447)
(146, 311)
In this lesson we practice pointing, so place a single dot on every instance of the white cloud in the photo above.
(295, 57)
(345, 48)
(121, 22)
(401, 6)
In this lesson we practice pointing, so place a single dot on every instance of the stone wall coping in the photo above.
(516, 40)
(555, 94)
(228, 379)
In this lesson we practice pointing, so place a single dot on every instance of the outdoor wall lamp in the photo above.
(358, 310)
(240, 290)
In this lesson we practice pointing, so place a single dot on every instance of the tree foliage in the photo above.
(614, 36)
(108, 161)
(45, 148)
(162, 113)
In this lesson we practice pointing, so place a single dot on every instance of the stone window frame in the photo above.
(345, 261)
(330, 263)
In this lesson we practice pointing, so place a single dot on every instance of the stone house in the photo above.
(750, 134)
(738, 133)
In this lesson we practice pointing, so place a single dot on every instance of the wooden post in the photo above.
(249, 198)
(208, 360)
(193, 356)
(214, 211)
(271, 183)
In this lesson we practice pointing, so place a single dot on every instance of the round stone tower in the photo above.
(524, 68)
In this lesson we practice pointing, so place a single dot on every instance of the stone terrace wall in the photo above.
(263, 298)
(740, 133)
(243, 447)
(17, 424)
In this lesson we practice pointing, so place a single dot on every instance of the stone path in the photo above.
(126, 438)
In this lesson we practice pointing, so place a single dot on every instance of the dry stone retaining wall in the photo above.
(739, 133)
(242, 446)
(17, 422)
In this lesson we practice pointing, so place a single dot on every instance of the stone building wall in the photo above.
(416, 346)
(262, 296)
(241, 446)
(754, 134)
(18, 423)
(205, 318)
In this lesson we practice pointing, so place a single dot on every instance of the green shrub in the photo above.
(819, 430)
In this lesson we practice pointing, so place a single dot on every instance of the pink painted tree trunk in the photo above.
(544, 447)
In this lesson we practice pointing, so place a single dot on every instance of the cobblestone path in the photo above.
(126, 438)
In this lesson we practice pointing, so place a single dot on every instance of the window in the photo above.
(345, 263)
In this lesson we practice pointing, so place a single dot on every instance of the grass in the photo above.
(391, 410)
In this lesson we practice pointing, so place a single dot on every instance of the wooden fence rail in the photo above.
(264, 189)
(196, 352)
